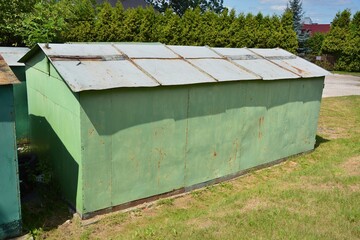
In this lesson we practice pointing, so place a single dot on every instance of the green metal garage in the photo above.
(10, 212)
(126, 123)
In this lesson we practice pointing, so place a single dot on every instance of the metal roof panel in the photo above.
(79, 49)
(266, 69)
(12, 54)
(194, 52)
(257, 63)
(271, 52)
(233, 51)
(146, 51)
(302, 67)
(222, 69)
(98, 75)
(95, 66)
(7, 76)
(173, 72)
(292, 62)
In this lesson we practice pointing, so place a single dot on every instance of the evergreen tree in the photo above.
(343, 41)
(315, 42)
(79, 17)
(168, 28)
(104, 23)
(83, 21)
(295, 7)
(12, 14)
(44, 24)
(180, 6)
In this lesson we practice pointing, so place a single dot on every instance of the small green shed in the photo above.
(10, 212)
(11, 56)
(126, 123)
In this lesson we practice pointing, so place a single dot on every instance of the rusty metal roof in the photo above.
(12, 54)
(96, 66)
(7, 76)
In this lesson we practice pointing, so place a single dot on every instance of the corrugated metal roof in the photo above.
(99, 66)
(7, 76)
(12, 54)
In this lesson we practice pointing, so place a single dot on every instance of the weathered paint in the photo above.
(10, 213)
(115, 146)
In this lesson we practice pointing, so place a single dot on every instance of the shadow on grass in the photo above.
(320, 140)
(43, 210)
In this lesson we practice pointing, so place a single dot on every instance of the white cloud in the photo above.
(278, 7)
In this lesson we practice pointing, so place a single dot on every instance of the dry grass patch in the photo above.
(352, 166)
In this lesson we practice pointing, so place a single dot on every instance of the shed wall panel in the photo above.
(134, 142)
(21, 105)
(55, 127)
(10, 213)
(139, 142)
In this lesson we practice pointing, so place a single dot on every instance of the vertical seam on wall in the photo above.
(81, 160)
(16, 162)
(187, 133)
(111, 154)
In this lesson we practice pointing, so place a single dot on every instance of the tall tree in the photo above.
(343, 41)
(11, 14)
(180, 6)
(295, 7)
(44, 24)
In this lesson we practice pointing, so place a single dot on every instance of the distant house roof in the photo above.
(97, 66)
(127, 3)
(316, 28)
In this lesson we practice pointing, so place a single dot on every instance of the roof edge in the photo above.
(7, 76)
(30, 53)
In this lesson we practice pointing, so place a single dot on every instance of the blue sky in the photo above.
(320, 11)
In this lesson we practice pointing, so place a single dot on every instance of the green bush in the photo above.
(85, 21)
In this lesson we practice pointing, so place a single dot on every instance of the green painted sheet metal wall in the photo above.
(140, 142)
(10, 213)
(21, 105)
(55, 126)
(133, 142)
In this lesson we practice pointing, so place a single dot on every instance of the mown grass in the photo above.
(312, 196)
(357, 74)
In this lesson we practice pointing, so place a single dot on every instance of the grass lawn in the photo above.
(357, 74)
(312, 196)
